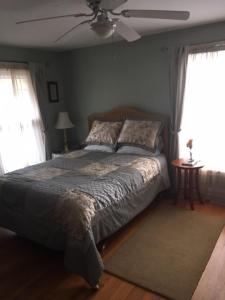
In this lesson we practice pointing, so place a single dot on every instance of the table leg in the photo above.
(178, 176)
(197, 186)
(190, 188)
(185, 184)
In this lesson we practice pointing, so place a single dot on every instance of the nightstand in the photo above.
(187, 180)
(56, 154)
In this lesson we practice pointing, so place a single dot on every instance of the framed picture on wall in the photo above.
(53, 94)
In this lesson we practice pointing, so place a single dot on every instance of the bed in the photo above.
(73, 202)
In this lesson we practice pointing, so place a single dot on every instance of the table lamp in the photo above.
(63, 122)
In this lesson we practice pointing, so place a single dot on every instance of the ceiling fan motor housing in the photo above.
(94, 4)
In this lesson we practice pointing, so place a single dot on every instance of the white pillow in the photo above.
(103, 148)
(137, 150)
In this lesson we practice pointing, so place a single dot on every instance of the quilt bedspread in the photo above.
(69, 191)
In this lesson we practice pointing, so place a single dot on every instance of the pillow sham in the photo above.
(140, 133)
(103, 148)
(104, 133)
(137, 150)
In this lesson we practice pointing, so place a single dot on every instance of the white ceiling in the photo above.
(42, 34)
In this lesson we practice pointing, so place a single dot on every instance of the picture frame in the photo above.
(53, 93)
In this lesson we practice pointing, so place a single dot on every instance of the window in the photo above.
(22, 140)
(203, 112)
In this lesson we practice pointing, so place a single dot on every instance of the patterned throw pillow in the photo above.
(141, 133)
(104, 133)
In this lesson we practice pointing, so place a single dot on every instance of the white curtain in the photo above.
(22, 140)
(38, 77)
(204, 119)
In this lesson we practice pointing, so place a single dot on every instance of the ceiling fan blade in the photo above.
(111, 4)
(156, 14)
(70, 30)
(126, 32)
(56, 17)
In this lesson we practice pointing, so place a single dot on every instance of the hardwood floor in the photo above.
(30, 272)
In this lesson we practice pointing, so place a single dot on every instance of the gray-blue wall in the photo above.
(99, 78)
(54, 73)
(136, 74)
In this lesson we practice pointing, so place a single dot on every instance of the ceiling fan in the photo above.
(104, 21)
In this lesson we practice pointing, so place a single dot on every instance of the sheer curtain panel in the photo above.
(22, 140)
(203, 119)
(38, 77)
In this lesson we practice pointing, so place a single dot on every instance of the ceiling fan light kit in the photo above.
(104, 25)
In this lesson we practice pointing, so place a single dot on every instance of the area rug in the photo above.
(169, 252)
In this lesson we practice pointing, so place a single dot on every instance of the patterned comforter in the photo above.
(68, 192)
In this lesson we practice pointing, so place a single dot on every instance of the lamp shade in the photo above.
(63, 121)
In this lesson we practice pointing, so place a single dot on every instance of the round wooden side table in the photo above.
(187, 180)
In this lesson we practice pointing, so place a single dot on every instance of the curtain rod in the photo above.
(218, 44)
(212, 43)
(22, 62)
(16, 62)
(208, 47)
(13, 61)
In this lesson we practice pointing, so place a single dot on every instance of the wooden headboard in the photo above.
(122, 113)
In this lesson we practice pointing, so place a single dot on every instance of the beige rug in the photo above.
(169, 252)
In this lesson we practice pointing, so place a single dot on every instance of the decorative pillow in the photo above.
(137, 150)
(104, 133)
(140, 133)
(103, 148)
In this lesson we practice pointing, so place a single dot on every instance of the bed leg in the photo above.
(101, 246)
(96, 287)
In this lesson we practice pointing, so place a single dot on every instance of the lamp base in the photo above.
(66, 149)
(190, 160)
